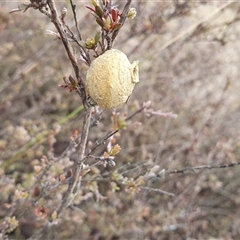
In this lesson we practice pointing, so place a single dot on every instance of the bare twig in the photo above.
(135, 113)
(193, 169)
(78, 166)
(83, 52)
(101, 143)
(76, 179)
(157, 190)
(73, 6)
(85, 55)
(108, 135)
(58, 24)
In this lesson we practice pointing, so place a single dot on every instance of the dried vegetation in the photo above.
(189, 65)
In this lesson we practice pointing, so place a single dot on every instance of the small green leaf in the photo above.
(97, 37)
(114, 187)
(99, 22)
(95, 15)
(22, 7)
(99, 11)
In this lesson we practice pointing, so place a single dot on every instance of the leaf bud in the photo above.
(94, 3)
(90, 43)
(132, 13)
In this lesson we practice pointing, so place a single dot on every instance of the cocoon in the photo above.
(111, 78)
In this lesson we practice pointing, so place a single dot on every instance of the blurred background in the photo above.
(189, 65)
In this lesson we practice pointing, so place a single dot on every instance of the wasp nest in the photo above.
(111, 79)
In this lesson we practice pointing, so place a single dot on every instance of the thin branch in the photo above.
(86, 57)
(76, 179)
(122, 19)
(55, 19)
(73, 6)
(193, 169)
(157, 190)
(75, 182)
(86, 127)
(135, 113)
(133, 169)
(101, 143)
(78, 166)
(83, 52)
(107, 136)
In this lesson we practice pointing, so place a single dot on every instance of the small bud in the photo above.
(115, 14)
(107, 23)
(132, 13)
(90, 43)
(11, 224)
(37, 169)
(64, 12)
(54, 215)
(94, 3)
(41, 212)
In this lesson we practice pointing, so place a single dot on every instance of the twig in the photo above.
(101, 143)
(78, 166)
(157, 190)
(122, 19)
(56, 21)
(76, 179)
(107, 136)
(73, 6)
(133, 169)
(193, 169)
(83, 52)
(135, 113)
(86, 57)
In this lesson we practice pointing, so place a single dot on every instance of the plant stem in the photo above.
(56, 21)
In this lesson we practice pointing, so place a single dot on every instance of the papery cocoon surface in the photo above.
(111, 79)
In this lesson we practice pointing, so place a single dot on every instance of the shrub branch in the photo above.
(56, 21)
(193, 169)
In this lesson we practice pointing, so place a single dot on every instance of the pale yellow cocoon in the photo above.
(111, 79)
